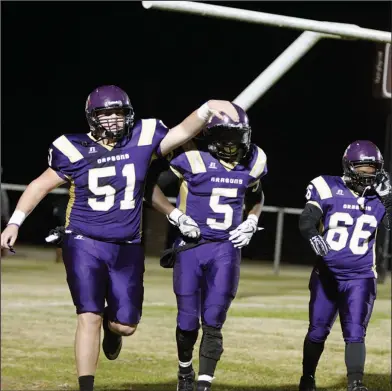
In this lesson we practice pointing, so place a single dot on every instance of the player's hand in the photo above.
(242, 235)
(319, 245)
(383, 184)
(8, 236)
(56, 235)
(185, 224)
(223, 106)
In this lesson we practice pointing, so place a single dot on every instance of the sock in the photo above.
(185, 342)
(311, 355)
(86, 383)
(207, 367)
(204, 380)
(355, 356)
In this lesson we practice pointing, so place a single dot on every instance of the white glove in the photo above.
(319, 245)
(186, 224)
(242, 235)
(383, 187)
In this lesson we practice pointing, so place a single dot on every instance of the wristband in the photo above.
(175, 215)
(253, 218)
(17, 218)
(204, 112)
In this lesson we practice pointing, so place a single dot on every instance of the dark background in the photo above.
(55, 54)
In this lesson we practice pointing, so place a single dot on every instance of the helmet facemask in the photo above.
(228, 142)
(111, 123)
(359, 180)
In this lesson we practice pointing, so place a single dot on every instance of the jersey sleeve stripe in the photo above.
(259, 165)
(177, 173)
(194, 158)
(147, 132)
(183, 196)
(67, 149)
(322, 188)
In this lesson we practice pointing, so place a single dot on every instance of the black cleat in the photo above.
(203, 386)
(307, 383)
(112, 342)
(186, 382)
(356, 385)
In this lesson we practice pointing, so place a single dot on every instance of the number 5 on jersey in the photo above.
(109, 191)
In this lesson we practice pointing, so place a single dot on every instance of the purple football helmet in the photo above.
(362, 153)
(226, 139)
(107, 100)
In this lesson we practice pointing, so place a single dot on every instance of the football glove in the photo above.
(242, 235)
(56, 235)
(185, 224)
(383, 185)
(319, 245)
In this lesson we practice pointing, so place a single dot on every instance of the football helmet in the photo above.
(362, 153)
(226, 139)
(101, 105)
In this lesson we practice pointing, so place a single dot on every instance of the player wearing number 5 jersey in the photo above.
(217, 176)
(106, 169)
(340, 220)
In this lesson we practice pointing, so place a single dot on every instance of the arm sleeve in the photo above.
(254, 195)
(157, 167)
(309, 220)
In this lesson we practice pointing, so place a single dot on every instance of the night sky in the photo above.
(54, 54)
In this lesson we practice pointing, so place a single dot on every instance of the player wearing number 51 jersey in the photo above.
(217, 175)
(107, 170)
(340, 220)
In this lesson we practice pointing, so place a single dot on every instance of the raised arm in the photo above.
(194, 123)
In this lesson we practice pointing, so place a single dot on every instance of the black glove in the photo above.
(56, 236)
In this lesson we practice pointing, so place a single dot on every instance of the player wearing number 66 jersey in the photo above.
(107, 170)
(340, 220)
(217, 175)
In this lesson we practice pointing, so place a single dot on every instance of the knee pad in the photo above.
(187, 339)
(211, 343)
(318, 334)
(215, 316)
(353, 333)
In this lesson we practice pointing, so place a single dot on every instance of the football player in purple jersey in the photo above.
(106, 169)
(217, 175)
(340, 220)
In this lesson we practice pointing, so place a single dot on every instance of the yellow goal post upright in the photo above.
(313, 31)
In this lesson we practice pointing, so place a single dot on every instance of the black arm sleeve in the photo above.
(253, 196)
(157, 167)
(309, 221)
(387, 201)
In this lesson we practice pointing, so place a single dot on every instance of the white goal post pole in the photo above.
(345, 30)
(277, 69)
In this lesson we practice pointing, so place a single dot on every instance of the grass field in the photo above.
(263, 335)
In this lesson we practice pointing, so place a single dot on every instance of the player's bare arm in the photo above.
(30, 198)
(187, 226)
(194, 123)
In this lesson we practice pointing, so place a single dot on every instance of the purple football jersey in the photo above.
(107, 183)
(349, 229)
(212, 192)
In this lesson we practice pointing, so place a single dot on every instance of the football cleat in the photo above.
(186, 382)
(203, 386)
(307, 383)
(356, 385)
(112, 342)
